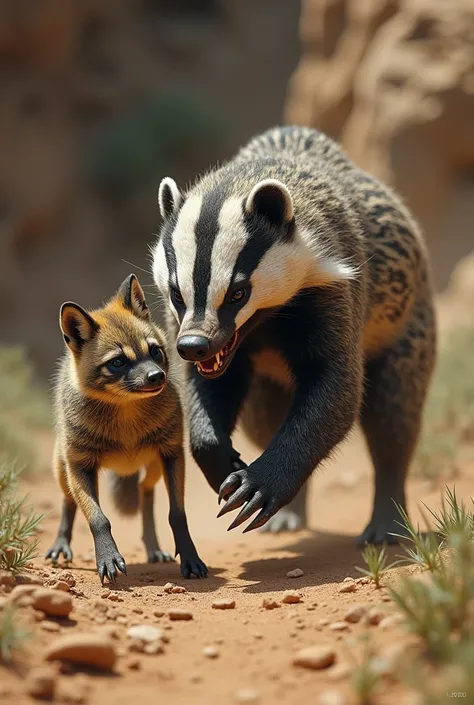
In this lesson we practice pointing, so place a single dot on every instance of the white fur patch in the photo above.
(168, 184)
(160, 269)
(184, 245)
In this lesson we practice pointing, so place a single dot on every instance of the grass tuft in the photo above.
(376, 561)
(12, 633)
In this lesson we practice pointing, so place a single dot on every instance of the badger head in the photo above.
(224, 259)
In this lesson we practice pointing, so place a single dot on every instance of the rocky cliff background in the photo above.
(99, 99)
(393, 80)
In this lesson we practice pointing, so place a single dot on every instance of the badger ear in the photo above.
(169, 197)
(132, 297)
(77, 326)
(271, 199)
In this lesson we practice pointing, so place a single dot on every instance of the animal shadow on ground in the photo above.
(142, 574)
(324, 557)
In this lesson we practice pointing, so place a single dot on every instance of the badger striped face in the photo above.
(220, 259)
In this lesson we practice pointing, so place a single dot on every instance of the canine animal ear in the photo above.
(170, 197)
(271, 199)
(132, 296)
(77, 326)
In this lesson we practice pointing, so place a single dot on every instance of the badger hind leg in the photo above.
(391, 415)
(263, 414)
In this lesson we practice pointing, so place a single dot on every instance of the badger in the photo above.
(299, 289)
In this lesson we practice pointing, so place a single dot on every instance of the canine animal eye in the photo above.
(176, 296)
(155, 351)
(116, 363)
(239, 295)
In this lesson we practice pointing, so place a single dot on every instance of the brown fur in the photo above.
(112, 416)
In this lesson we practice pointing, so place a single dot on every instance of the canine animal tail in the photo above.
(124, 491)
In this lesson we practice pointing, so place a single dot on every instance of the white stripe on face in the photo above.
(160, 268)
(184, 245)
(228, 244)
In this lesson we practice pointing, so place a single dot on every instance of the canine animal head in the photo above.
(228, 251)
(117, 352)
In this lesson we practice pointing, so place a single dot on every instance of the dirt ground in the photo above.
(254, 646)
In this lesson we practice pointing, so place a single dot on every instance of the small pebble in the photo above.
(85, 649)
(210, 652)
(356, 613)
(180, 615)
(223, 604)
(105, 594)
(41, 682)
(145, 633)
(340, 671)
(67, 577)
(338, 626)
(291, 597)
(176, 589)
(296, 573)
(49, 626)
(315, 657)
(348, 587)
(375, 615)
(158, 613)
(269, 603)
(137, 610)
(134, 664)
(168, 588)
(153, 649)
(52, 602)
(61, 585)
(246, 695)
(331, 697)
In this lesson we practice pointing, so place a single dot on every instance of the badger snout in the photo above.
(193, 347)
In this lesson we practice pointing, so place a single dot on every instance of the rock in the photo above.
(340, 671)
(134, 664)
(158, 613)
(291, 597)
(180, 615)
(246, 695)
(349, 586)
(7, 579)
(375, 615)
(19, 592)
(296, 573)
(269, 603)
(339, 626)
(177, 589)
(49, 626)
(41, 682)
(363, 581)
(391, 621)
(115, 597)
(154, 648)
(223, 604)
(105, 594)
(137, 610)
(146, 633)
(315, 657)
(210, 652)
(52, 602)
(168, 588)
(331, 697)
(356, 613)
(67, 577)
(84, 649)
(61, 585)
(73, 690)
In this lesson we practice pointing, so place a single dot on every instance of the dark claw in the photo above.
(235, 501)
(252, 506)
(230, 484)
(259, 520)
(195, 566)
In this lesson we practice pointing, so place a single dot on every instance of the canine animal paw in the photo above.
(284, 520)
(61, 545)
(108, 561)
(159, 556)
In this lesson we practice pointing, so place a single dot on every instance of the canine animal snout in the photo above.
(193, 347)
(155, 378)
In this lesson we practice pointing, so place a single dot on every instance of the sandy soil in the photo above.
(255, 647)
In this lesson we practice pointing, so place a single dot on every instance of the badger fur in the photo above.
(300, 287)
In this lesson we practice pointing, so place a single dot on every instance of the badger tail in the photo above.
(124, 491)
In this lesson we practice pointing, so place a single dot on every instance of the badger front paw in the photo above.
(246, 487)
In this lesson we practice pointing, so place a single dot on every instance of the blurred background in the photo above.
(100, 99)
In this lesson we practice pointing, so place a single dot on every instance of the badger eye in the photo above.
(155, 352)
(239, 295)
(176, 296)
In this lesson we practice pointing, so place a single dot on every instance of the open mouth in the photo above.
(215, 365)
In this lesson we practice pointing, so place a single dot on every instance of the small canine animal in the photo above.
(117, 407)
(299, 286)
